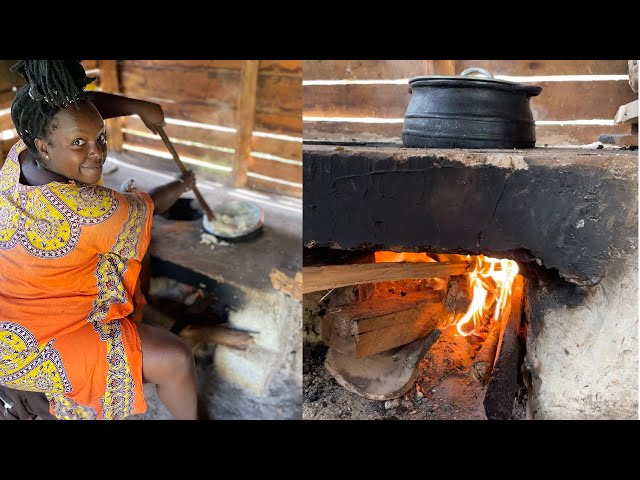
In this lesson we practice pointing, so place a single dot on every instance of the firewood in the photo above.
(502, 388)
(484, 359)
(331, 276)
(379, 325)
(229, 337)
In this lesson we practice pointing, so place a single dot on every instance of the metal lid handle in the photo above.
(481, 71)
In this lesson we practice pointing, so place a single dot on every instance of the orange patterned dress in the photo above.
(69, 263)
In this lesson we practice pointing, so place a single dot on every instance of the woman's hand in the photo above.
(151, 115)
(188, 179)
(166, 195)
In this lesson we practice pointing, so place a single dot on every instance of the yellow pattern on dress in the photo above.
(46, 228)
(47, 218)
(9, 218)
(9, 176)
(117, 400)
(66, 409)
(25, 365)
(89, 202)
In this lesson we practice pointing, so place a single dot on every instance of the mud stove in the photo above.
(509, 270)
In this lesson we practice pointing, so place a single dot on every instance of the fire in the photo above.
(491, 275)
(385, 256)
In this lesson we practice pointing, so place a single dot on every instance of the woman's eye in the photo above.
(102, 138)
(79, 142)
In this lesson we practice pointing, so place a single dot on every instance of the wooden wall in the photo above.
(234, 121)
(8, 79)
(218, 111)
(587, 97)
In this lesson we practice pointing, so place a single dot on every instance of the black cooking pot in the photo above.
(469, 112)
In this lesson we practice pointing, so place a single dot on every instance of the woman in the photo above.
(71, 252)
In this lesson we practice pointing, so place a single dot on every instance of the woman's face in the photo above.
(77, 145)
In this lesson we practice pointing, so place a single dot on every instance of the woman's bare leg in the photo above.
(168, 363)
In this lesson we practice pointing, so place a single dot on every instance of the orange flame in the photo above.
(485, 278)
(385, 256)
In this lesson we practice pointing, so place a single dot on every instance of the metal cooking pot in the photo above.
(469, 112)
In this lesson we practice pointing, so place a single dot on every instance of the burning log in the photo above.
(503, 386)
(332, 276)
(485, 358)
(459, 295)
(378, 325)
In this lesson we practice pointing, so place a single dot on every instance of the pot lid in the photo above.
(466, 79)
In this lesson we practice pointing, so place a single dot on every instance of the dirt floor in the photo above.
(444, 389)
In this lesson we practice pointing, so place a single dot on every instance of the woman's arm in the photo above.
(166, 195)
(110, 105)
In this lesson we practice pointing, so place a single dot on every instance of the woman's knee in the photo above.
(164, 355)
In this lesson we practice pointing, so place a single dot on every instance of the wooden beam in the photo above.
(246, 114)
(110, 83)
(332, 276)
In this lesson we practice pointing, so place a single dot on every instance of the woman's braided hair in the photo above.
(51, 85)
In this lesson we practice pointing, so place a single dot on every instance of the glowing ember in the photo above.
(491, 275)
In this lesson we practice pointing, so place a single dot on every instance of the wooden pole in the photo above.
(244, 121)
(333, 276)
(109, 83)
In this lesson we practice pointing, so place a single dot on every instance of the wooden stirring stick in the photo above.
(210, 215)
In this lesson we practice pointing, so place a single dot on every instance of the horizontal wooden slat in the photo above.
(192, 134)
(558, 100)
(545, 134)
(381, 101)
(281, 67)
(275, 169)
(183, 64)
(580, 100)
(221, 114)
(362, 69)
(168, 167)
(181, 85)
(275, 146)
(279, 95)
(574, 134)
(547, 67)
(344, 131)
(281, 124)
(272, 187)
(202, 154)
